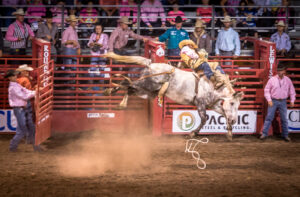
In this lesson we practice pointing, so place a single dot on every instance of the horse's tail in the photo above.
(129, 59)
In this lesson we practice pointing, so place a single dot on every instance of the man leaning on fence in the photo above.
(228, 41)
(18, 34)
(277, 91)
(119, 37)
(18, 97)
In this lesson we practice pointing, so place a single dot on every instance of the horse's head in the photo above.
(230, 107)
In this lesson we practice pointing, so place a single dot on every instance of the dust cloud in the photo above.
(101, 153)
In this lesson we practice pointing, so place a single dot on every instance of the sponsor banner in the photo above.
(8, 121)
(100, 115)
(294, 120)
(185, 121)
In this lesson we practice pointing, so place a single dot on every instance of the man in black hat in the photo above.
(18, 97)
(277, 91)
(48, 31)
(174, 36)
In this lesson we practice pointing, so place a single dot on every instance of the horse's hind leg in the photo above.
(161, 93)
(202, 113)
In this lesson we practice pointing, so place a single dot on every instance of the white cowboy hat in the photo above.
(24, 67)
(226, 19)
(187, 42)
(200, 23)
(280, 23)
(19, 12)
(125, 20)
(72, 18)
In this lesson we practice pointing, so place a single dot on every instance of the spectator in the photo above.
(119, 37)
(98, 44)
(18, 34)
(151, 11)
(277, 90)
(1, 43)
(241, 14)
(174, 36)
(264, 12)
(48, 31)
(34, 12)
(275, 3)
(87, 23)
(174, 13)
(229, 10)
(205, 12)
(57, 13)
(251, 12)
(282, 13)
(25, 80)
(18, 97)
(109, 11)
(228, 41)
(10, 7)
(281, 39)
(129, 11)
(201, 38)
(171, 2)
(70, 42)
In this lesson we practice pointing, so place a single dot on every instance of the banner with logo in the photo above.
(294, 120)
(185, 121)
(8, 121)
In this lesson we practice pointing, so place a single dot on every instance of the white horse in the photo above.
(182, 87)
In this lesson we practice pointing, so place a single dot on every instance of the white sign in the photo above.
(185, 121)
(100, 115)
(271, 61)
(46, 64)
(8, 121)
(293, 117)
(160, 51)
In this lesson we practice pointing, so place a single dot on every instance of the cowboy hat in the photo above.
(125, 20)
(19, 12)
(200, 23)
(48, 15)
(178, 19)
(72, 18)
(24, 67)
(10, 73)
(280, 23)
(226, 19)
(187, 42)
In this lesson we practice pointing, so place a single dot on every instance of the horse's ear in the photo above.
(239, 95)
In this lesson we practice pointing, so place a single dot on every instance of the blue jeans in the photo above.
(96, 71)
(69, 60)
(22, 128)
(281, 106)
(174, 52)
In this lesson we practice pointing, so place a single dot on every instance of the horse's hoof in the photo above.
(193, 134)
(107, 92)
(229, 137)
(120, 107)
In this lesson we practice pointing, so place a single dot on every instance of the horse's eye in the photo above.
(232, 103)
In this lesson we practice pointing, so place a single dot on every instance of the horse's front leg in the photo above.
(161, 93)
(202, 113)
(123, 103)
(229, 131)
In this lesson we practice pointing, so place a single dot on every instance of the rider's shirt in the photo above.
(189, 52)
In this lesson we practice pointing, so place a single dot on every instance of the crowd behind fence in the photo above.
(190, 15)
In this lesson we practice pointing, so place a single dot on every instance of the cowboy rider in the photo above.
(197, 60)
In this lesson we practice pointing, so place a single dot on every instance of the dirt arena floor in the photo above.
(97, 164)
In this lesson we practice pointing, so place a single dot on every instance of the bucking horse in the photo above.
(183, 87)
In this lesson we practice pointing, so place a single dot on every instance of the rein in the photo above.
(157, 74)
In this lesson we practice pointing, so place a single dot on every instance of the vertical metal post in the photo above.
(138, 26)
(63, 19)
(213, 27)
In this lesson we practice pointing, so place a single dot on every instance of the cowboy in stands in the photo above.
(18, 34)
(282, 40)
(174, 36)
(119, 37)
(18, 97)
(277, 91)
(228, 41)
